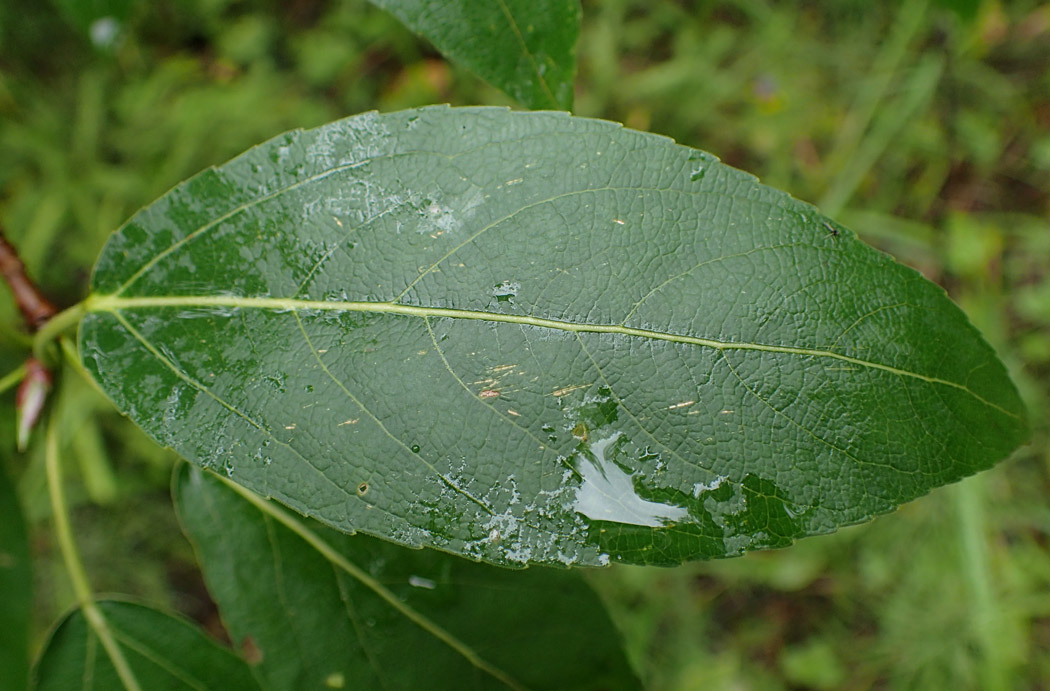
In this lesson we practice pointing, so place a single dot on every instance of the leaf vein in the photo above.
(693, 268)
(337, 559)
(397, 440)
(115, 303)
(525, 49)
(221, 401)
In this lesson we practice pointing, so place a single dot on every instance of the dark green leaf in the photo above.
(533, 338)
(319, 607)
(524, 47)
(162, 652)
(16, 592)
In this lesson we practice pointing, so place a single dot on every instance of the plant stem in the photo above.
(35, 308)
(73, 360)
(11, 379)
(74, 565)
(56, 326)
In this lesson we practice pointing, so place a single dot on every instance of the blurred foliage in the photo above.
(924, 126)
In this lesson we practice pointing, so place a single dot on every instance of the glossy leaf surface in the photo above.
(317, 607)
(527, 48)
(533, 338)
(162, 652)
(16, 588)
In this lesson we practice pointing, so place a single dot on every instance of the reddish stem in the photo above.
(35, 308)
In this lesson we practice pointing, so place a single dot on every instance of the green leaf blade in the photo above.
(526, 48)
(532, 338)
(477, 626)
(162, 652)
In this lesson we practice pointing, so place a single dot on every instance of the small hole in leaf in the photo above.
(362, 489)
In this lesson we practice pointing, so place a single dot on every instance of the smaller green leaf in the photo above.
(162, 652)
(319, 608)
(16, 589)
(527, 48)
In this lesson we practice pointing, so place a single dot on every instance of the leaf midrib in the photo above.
(115, 303)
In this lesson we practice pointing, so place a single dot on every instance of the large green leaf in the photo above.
(161, 652)
(319, 606)
(15, 586)
(524, 47)
(529, 337)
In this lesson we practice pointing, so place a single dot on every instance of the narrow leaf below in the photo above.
(315, 608)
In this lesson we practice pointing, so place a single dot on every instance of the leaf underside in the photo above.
(534, 338)
(526, 48)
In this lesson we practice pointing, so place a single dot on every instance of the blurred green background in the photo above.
(924, 126)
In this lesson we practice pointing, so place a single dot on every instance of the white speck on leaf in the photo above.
(420, 582)
(702, 487)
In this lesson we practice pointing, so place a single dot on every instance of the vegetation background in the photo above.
(925, 128)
